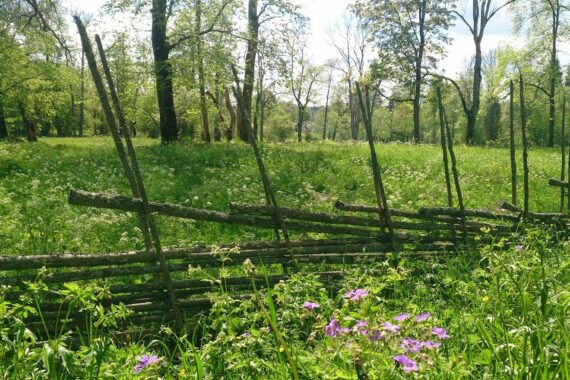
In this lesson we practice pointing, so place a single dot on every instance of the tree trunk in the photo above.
(3, 126)
(327, 109)
(553, 75)
(201, 76)
(249, 74)
(417, 92)
(163, 73)
(477, 80)
(82, 96)
(353, 123)
(233, 117)
(262, 117)
(300, 123)
(29, 125)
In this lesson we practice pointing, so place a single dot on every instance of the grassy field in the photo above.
(485, 313)
(35, 179)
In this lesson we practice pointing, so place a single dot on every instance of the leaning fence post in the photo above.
(524, 144)
(135, 188)
(279, 222)
(384, 213)
(512, 143)
(444, 154)
(454, 168)
(563, 153)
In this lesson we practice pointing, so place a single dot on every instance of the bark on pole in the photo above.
(270, 196)
(563, 153)
(444, 151)
(86, 44)
(454, 167)
(512, 143)
(365, 108)
(149, 224)
(524, 145)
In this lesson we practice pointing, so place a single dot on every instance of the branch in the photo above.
(499, 8)
(459, 92)
(542, 89)
(464, 21)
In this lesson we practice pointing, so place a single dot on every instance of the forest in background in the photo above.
(174, 77)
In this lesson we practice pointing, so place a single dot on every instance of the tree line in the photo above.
(175, 77)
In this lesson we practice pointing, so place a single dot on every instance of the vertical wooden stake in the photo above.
(366, 110)
(512, 144)
(444, 153)
(270, 196)
(135, 188)
(454, 168)
(563, 153)
(524, 144)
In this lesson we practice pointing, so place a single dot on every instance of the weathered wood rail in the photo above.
(354, 235)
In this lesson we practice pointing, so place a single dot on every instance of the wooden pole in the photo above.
(270, 196)
(444, 148)
(563, 154)
(366, 110)
(524, 145)
(453, 165)
(512, 144)
(90, 56)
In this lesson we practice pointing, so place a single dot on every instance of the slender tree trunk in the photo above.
(262, 117)
(512, 144)
(3, 126)
(256, 114)
(353, 126)
(29, 126)
(327, 109)
(301, 110)
(163, 73)
(249, 74)
(201, 76)
(477, 80)
(553, 75)
(82, 96)
(233, 116)
(417, 93)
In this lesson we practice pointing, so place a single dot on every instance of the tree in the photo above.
(413, 33)
(481, 13)
(300, 75)
(163, 43)
(258, 13)
(546, 17)
(350, 41)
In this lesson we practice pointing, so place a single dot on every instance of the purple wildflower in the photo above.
(407, 364)
(440, 332)
(311, 305)
(360, 324)
(430, 345)
(345, 330)
(145, 361)
(390, 327)
(402, 317)
(519, 248)
(423, 317)
(411, 345)
(374, 336)
(246, 334)
(356, 295)
(332, 328)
